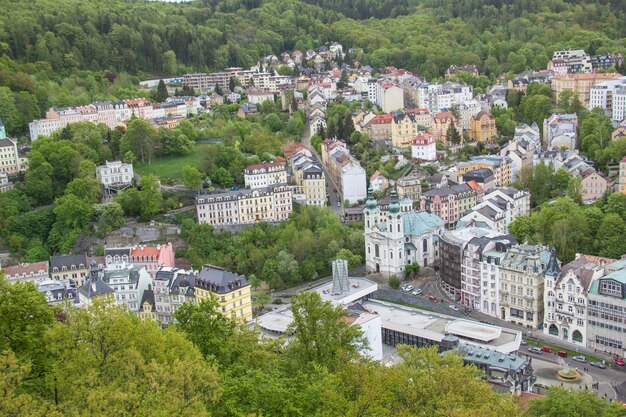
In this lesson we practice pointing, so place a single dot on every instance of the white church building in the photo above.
(399, 236)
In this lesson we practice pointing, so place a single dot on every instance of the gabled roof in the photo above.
(68, 261)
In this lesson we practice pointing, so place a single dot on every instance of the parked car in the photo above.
(453, 307)
(432, 298)
(523, 342)
(562, 353)
(580, 358)
(535, 349)
(546, 349)
(618, 361)
(408, 288)
(417, 292)
(600, 365)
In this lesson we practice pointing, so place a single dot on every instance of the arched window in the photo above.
(390, 254)
(398, 227)
(376, 250)
(577, 336)
(369, 249)
(368, 222)
(400, 254)
(425, 245)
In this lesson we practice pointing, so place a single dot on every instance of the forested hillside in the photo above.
(65, 52)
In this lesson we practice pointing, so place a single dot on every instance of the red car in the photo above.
(562, 353)
(619, 361)
(546, 349)
(432, 298)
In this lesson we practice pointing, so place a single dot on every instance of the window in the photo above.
(376, 250)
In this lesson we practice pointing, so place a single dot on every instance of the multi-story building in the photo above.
(172, 288)
(451, 248)
(570, 61)
(231, 291)
(152, 257)
(34, 272)
(441, 123)
(580, 84)
(594, 185)
(66, 268)
(466, 111)
(483, 127)
(490, 277)
(476, 283)
(271, 204)
(345, 170)
(379, 182)
(94, 288)
(379, 128)
(424, 147)
(522, 285)
(559, 131)
(606, 310)
(128, 283)
(115, 176)
(56, 292)
(389, 96)
(501, 166)
(406, 125)
(9, 157)
(618, 112)
(601, 95)
(449, 203)
(398, 236)
(310, 179)
(515, 202)
(565, 297)
(409, 186)
(265, 175)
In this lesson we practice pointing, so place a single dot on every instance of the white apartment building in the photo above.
(270, 204)
(565, 298)
(424, 147)
(489, 264)
(602, 95)
(128, 283)
(473, 282)
(265, 175)
(172, 288)
(9, 157)
(618, 113)
(345, 170)
(115, 176)
(389, 96)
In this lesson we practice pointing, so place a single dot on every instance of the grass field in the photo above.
(170, 167)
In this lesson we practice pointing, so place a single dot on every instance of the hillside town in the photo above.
(461, 202)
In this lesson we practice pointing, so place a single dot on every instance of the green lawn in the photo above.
(170, 167)
(556, 348)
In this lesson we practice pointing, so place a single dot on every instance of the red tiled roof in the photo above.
(424, 139)
(27, 268)
(265, 166)
(380, 119)
(144, 251)
(444, 115)
(291, 148)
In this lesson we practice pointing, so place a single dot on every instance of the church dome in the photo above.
(371, 201)
(394, 206)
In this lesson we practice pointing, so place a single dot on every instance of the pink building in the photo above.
(594, 185)
(153, 257)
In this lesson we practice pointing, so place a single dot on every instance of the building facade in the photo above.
(66, 268)
(231, 291)
(270, 204)
(424, 147)
(115, 176)
(265, 175)
(399, 236)
(483, 127)
(9, 157)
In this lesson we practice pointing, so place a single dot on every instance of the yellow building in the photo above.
(501, 166)
(579, 83)
(483, 127)
(231, 291)
(440, 125)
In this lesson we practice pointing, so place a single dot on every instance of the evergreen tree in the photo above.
(161, 93)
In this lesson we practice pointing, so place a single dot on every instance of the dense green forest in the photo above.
(102, 361)
(64, 52)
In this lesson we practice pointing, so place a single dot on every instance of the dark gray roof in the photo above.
(5, 143)
(184, 283)
(94, 288)
(148, 297)
(219, 280)
(479, 175)
(117, 251)
(68, 261)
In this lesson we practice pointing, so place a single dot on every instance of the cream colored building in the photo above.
(265, 175)
(579, 84)
(310, 180)
(9, 157)
(231, 291)
(270, 204)
(522, 285)
(621, 182)
(501, 166)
